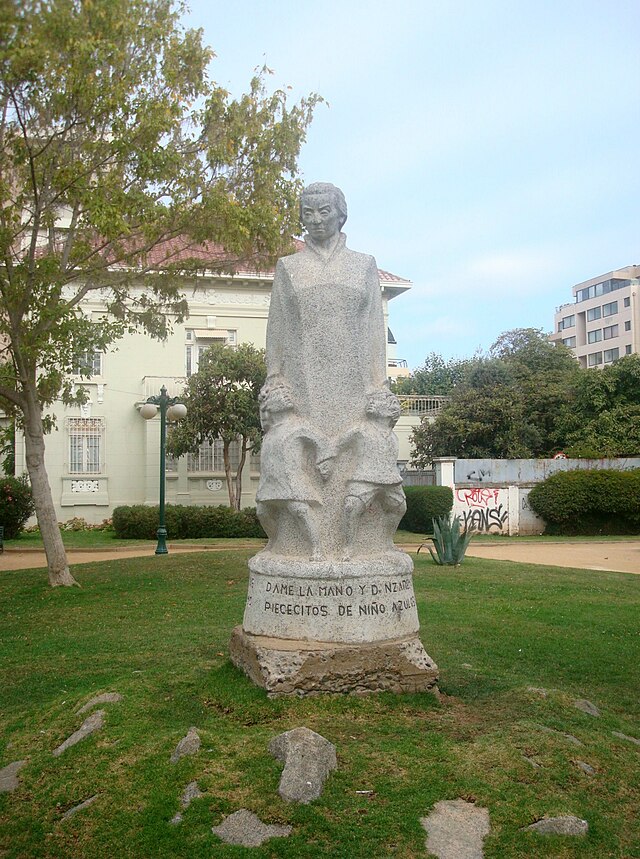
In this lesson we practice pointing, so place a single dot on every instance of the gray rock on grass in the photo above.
(103, 698)
(245, 829)
(625, 737)
(79, 807)
(308, 759)
(569, 737)
(565, 825)
(91, 724)
(188, 745)
(9, 780)
(587, 707)
(456, 829)
(585, 767)
(192, 791)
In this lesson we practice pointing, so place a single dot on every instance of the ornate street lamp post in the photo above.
(170, 410)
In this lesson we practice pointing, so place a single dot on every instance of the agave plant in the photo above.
(450, 541)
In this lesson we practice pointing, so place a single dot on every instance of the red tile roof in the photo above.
(181, 249)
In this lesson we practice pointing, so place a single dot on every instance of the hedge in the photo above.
(139, 522)
(16, 505)
(589, 502)
(423, 504)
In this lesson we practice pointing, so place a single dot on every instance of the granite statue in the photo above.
(330, 604)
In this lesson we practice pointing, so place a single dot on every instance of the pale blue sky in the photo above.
(489, 151)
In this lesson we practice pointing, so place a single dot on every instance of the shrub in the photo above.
(423, 504)
(140, 522)
(16, 505)
(589, 502)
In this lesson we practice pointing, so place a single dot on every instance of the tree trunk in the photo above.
(43, 500)
(227, 472)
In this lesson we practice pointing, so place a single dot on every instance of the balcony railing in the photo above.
(413, 404)
(151, 385)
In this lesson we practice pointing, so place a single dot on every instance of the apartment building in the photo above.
(603, 322)
(104, 454)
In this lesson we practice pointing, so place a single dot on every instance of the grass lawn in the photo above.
(156, 630)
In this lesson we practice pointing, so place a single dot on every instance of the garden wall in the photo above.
(491, 495)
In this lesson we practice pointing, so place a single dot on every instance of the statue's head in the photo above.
(383, 404)
(274, 402)
(323, 210)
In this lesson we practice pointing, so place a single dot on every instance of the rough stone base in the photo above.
(285, 667)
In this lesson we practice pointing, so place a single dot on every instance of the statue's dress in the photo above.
(326, 334)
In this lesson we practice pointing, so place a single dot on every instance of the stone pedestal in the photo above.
(332, 627)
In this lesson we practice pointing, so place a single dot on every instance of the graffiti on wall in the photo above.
(481, 509)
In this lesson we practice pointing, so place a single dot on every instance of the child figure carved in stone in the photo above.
(286, 481)
(376, 475)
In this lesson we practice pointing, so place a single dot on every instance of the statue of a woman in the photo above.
(330, 604)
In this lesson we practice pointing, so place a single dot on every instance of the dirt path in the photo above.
(623, 556)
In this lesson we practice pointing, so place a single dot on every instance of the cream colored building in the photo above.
(602, 323)
(105, 454)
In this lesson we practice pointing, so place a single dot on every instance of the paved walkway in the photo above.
(622, 556)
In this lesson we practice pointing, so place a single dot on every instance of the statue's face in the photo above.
(320, 216)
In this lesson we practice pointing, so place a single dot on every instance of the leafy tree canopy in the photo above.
(529, 398)
(119, 157)
(222, 403)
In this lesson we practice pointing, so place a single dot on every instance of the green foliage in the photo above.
(424, 503)
(16, 505)
(222, 402)
(8, 449)
(604, 417)
(436, 376)
(139, 522)
(450, 541)
(504, 405)
(589, 502)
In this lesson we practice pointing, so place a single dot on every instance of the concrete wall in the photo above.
(491, 495)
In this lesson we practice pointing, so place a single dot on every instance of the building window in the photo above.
(594, 359)
(627, 302)
(609, 332)
(86, 445)
(627, 350)
(594, 336)
(569, 341)
(89, 364)
(611, 355)
(567, 322)
(210, 457)
(610, 309)
(171, 464)
(593, 314)
(627, 325)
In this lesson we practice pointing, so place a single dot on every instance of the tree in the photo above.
(505, 405)
(604, 418)
(118, 158)
(222, 403)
